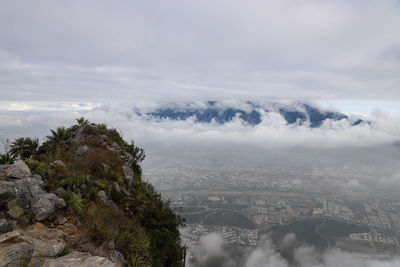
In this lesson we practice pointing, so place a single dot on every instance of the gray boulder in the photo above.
(116, 187)
(28, 188)
(128, 175)
(5, 226)
(24, 189)
(103, 137)
(36, 190)
(13, 249)
(114, 147)
(47, 248)
(79, 259)
(58, 163)
(8, 191)
(81, 151)
(13, 255)
(15, 211)
(62, 220)
(60, 191)
(102, 196)
(127, 158)
(45, 205)
(43, 250)
(19, 170)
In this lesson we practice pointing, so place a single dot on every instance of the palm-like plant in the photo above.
(24, 147)
(76, 202)
(82, 121)
(7, 158)
(59, 137)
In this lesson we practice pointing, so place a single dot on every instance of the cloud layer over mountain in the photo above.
(273, 130)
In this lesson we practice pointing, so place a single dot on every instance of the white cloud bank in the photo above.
(272, 132)
(212, 250)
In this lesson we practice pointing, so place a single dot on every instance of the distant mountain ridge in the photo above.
(249, 112)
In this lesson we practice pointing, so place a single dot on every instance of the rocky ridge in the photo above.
(21, 194)
(78, 200)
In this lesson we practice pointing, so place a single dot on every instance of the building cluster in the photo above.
(232, 235)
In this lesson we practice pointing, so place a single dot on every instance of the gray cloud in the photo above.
(101, 50)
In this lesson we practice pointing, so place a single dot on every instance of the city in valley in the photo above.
(345, 209)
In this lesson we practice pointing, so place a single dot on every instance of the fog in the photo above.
(212, 251)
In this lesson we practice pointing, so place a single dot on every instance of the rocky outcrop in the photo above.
(128, 175)
(19, 247)
(47, 248)
(18, 170)
(14, 255)
(22, 192)
(8, 191)
(95, 173)
(79, 259)
(44, 205)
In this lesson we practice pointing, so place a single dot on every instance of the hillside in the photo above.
(79, 199)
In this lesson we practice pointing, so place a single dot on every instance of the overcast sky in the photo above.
(92, 52)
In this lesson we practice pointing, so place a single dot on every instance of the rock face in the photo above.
(19, 170)
(19, 247)
(79, 259)
(128, 175)
(48, 248)
(8, 191)
(46, 204)
(22, 189)
(14, 255)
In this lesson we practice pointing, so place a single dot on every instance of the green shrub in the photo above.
(79, 184)
(94, 160)
(90, 130)
(136, 261)
(36, 166)
(75, 201)
(117, 175)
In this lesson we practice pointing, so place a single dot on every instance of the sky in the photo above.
(64, 54)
